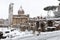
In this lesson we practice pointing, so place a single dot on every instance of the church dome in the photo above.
(20, 11)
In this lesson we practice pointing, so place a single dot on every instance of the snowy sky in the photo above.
(31, 7)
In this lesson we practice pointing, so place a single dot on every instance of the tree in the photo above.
(58, 0)
(47, 8)
(50, 8)
(53, 8)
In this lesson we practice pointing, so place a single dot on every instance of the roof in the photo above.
(53, 19)
(20, 16)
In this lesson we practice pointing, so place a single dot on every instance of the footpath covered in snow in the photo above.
(43, 36)
(27, 35)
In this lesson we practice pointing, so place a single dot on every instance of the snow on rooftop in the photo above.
(53, 19)
(51, 27)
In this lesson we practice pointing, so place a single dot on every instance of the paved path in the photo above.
(44, 36)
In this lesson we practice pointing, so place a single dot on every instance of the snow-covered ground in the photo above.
(27, 35)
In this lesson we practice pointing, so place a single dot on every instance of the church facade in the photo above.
(21, 18)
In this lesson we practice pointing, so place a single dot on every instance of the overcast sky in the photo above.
(31, 7)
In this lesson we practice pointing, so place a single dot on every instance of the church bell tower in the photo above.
(10, 13)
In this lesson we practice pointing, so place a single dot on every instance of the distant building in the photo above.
(20, 18)
(4, 23)
(1, 21)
